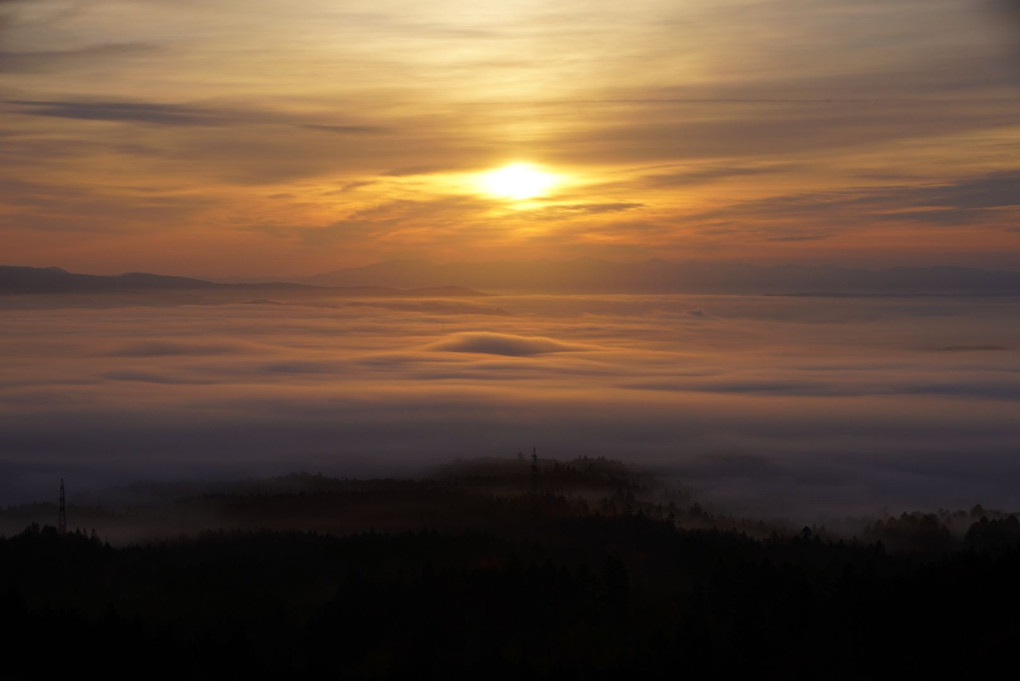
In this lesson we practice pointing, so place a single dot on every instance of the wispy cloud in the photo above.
(35, 61)
(964, 201)
(135, 112)
(347, 129)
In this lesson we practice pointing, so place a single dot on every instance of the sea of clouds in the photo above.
(776, 406)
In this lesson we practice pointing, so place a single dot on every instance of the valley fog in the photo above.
(803, 407)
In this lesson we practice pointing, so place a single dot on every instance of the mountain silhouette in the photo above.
(42, 280)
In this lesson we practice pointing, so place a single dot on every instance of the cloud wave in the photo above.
(504, 344)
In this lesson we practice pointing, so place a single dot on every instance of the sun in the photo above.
(517, 182)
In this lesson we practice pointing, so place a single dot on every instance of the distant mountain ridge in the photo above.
(58, 280)
(42, 280)
(422, 278)
(590, 275)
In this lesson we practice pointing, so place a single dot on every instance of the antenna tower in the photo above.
(62, 511)
(534, 471)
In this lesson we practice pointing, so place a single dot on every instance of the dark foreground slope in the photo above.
(550, 591)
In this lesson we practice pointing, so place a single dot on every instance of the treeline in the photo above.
(595, 596)
(463, 496)
(945, 530)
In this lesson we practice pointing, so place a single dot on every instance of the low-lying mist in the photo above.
(805, 408)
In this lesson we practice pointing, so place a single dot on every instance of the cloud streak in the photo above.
(133, 112)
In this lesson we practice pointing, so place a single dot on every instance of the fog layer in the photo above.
(766, 405)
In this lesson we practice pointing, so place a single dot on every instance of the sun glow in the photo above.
(517, 182)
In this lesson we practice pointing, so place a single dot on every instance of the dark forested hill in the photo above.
(542, 586)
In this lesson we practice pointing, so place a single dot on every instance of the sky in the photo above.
(775, 407)
(259, 138)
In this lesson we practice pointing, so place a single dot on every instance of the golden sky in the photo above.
(261, 137)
